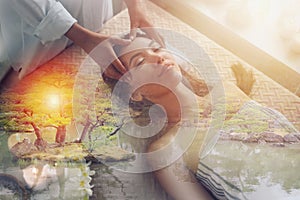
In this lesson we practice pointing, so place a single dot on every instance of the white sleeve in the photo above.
(49, 19)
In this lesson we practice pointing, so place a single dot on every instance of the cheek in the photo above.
(147, 72)
(142, 76)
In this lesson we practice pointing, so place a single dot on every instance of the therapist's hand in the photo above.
(139, 20)
(106, 57)
(99, 47)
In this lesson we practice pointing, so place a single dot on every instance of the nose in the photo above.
(155, 58)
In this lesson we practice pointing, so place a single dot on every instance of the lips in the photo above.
(164, 69)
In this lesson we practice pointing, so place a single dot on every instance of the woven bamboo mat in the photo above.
(265, 90)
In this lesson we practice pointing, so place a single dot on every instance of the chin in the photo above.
(173, 80)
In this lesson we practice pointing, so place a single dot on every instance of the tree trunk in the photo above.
(61, 132)
(39, 142)
(37, 131)
(85, 129)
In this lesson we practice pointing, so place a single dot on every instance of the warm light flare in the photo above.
(53, 101)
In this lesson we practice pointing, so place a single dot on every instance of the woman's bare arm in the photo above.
(176, 178)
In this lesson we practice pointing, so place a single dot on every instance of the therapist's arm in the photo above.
(49, 19)
(84, 38)
(99, 47)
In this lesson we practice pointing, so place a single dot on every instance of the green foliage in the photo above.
(6, 158)
(250, 120)
(99, 137)
(11, 114)
(83, 99)
(29, 103)
(24, 163)
(93, 109)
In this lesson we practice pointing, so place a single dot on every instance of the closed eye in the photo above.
(140, 61)
(157, 49)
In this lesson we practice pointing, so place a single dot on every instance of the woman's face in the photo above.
(149, 64)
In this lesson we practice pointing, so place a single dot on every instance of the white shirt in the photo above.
(33, 30)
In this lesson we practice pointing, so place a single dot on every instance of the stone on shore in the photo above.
(69, 152)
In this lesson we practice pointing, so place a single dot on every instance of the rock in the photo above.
(237, 136)
(110, 154)
(223, 135)
(40, 144)
(232, 136)
(271, 137)
(261, 141)
(10, 184)
(262, 138)
(22, 148)
(291, 138)
(297, 135)
(250, 138)
(68, 152)
(59, 153)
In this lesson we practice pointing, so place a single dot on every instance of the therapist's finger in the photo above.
(152, 33)
(118, 65)
(119, 41)
(132, 34)
(161, 40)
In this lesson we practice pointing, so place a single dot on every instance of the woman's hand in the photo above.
(139, 20)
(100, 48)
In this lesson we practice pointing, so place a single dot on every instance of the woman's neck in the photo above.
(181, 103)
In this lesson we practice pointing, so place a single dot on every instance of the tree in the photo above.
(42, 99)
(92, 107)
(56, 101)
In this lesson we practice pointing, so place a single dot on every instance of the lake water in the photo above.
(77, 181)
(46, 181)
(260, 171)
(270, 170)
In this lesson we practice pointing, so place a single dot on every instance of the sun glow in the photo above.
(53, 101)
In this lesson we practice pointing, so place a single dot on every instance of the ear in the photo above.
(136, 96)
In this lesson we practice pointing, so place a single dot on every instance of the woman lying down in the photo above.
(155, 76)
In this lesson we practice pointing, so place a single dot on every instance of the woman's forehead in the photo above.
(138, 43)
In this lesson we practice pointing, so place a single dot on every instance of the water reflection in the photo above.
(48, 181)
(42, 180)
(260, 171)
(113, 184)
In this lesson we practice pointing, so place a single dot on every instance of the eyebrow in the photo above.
(134, 56)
